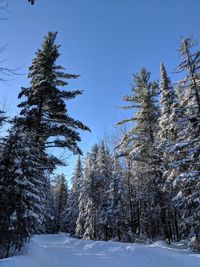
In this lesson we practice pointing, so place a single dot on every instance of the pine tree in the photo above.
(91, 195)
(104, 167)
(144, 99)
(190, 63)
(89, 200)
(185, 175)
(167, 138)
(44, 108)
(131, 199)
(140, 145)
(60, 201)
(116, 209)
(83, 197)
(72, 212)
(20, 188)
(167, 101)
(49, 207)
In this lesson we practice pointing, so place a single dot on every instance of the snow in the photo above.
(62, 251)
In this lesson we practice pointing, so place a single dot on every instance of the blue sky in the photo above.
(105, 41)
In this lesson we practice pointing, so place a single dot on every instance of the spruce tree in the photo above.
(91, 195)
(84, 192)
(44, 108)
(49, 206)
(72, 211)
(185, 175)
(89, 200)
(167, 101)
(144, 103)
(131, 198)
(166, 140)
(60, 201)
(21, 184)
(116, 207)
(104, 167)
(140, 145)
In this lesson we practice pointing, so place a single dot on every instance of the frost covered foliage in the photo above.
(185, 167)
(145, 190)
(60, 193)
(140, 145)
(163, 148)
(21, 189)
(152, 191)
(71, 211)
(100, 213)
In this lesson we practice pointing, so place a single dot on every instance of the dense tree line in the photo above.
(147, 188)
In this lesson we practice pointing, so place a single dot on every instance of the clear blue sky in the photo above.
(105, 41)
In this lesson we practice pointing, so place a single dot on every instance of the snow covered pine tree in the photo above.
(140, 145)
(44, 108)
(21, 187)
(185, 178)
(60, 201)
(72, 210)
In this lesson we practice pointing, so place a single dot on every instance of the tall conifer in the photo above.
(44, 106)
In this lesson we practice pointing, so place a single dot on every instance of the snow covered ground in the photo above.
(62, 251)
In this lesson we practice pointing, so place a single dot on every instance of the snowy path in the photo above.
(62, 251)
